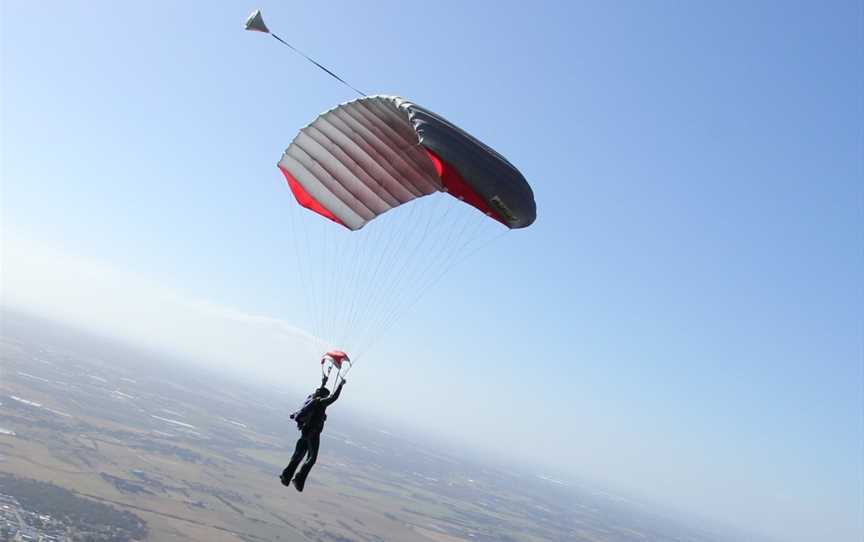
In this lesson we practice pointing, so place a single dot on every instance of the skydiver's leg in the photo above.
(312, 456)
(299, 452)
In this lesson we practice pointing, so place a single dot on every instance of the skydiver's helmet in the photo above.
(322, 392)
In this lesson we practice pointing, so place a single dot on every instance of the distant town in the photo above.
(32, 511)
(19, 524)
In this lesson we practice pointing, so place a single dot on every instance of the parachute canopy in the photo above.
(367, 165)
(368, 156)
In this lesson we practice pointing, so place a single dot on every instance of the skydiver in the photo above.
(310, 421)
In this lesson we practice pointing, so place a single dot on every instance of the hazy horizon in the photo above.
(683, 321)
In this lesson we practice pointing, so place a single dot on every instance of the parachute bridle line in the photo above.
(313, 61)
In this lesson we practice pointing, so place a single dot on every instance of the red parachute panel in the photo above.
(458, 188)
(305, 199)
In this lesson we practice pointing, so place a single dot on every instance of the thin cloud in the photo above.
(135, 308)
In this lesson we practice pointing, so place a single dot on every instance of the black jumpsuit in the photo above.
(310, 438)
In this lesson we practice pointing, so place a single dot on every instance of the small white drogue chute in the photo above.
(255, 22)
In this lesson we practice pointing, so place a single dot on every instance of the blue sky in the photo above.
(686, 311)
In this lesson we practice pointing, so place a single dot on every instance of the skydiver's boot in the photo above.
(285, 481)
(299, 483)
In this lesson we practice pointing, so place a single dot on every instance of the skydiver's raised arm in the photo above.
(332, 399)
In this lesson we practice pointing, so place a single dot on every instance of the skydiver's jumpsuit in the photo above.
(310, 437)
